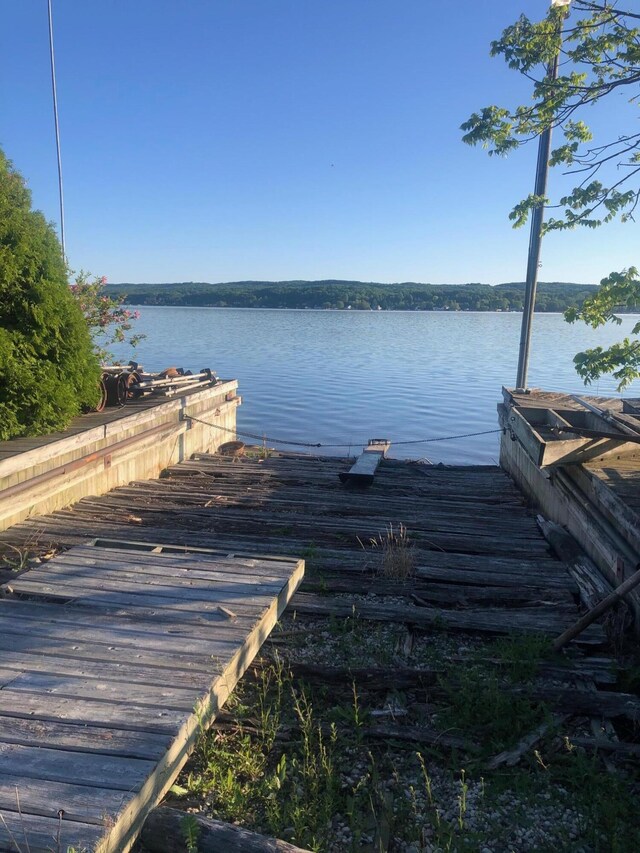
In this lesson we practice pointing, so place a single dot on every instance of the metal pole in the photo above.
(57, 127)
(535, 241)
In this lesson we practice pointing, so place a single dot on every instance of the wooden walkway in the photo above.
(111, 661)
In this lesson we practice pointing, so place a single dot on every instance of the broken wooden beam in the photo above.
(362, 472)
(591, 582)
(511, 757)
(616, 596)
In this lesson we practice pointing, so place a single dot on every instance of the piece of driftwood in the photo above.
(164, 832)
(590, 617)
(591, 583)
(418, 734)
(511, 757)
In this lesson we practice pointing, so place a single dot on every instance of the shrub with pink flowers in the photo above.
(107, 317)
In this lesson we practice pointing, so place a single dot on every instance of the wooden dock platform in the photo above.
(482, 564)
(102, 450)
(112, 659)
(108, 650)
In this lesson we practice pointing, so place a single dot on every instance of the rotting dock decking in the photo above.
(481, 566)
(111, 662)
(482, 563)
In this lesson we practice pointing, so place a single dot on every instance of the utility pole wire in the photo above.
(57, 127)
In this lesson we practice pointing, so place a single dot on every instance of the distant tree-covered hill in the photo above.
(355, 295)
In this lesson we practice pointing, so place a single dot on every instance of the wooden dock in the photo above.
(586, 482)
(482, 564)
(102, 450)
(112, 659)
(110, 647)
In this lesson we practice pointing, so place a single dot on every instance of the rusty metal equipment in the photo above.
(120, 384)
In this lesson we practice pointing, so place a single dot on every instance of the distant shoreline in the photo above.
(552, 297)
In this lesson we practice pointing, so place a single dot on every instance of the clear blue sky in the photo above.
(223, 140)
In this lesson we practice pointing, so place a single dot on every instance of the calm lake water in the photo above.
(346, 376)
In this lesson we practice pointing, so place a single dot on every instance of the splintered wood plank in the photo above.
(102, 700)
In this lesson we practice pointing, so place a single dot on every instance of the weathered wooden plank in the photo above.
(118, 637)
(163, 833)
(476, 620)
(101, 596)
(363, 470)
(74, 650)
(79, 667)
(103, 690)
(189, 589)
(82, 737)
(157, 621)
(132, 817)
(130, 716)
(445, 593)
(81, 803)
(44, 834)
(94, 770)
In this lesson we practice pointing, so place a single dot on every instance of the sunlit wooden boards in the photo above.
(112, 657)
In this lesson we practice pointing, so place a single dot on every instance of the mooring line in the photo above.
(293, 443)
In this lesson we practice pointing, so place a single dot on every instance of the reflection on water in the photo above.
(346, 376)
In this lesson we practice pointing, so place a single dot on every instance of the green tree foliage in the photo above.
(598, 44)
(48, 371)
(622, 360)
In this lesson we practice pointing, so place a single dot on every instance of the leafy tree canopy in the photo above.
(48, 371)
(622, 359)
(598, 44)
(599, 47)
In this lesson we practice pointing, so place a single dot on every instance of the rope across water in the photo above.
(293, 443)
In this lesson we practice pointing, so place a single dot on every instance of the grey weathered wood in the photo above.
(82, 738)
(44, 706)
(89, 769)
(477, 620)
(45, 797)
(120, 736)
(511, 757)
(44, 833)
(163, 832)
(103, 690)
(592, 584)
(582, 624)
(363, 470)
